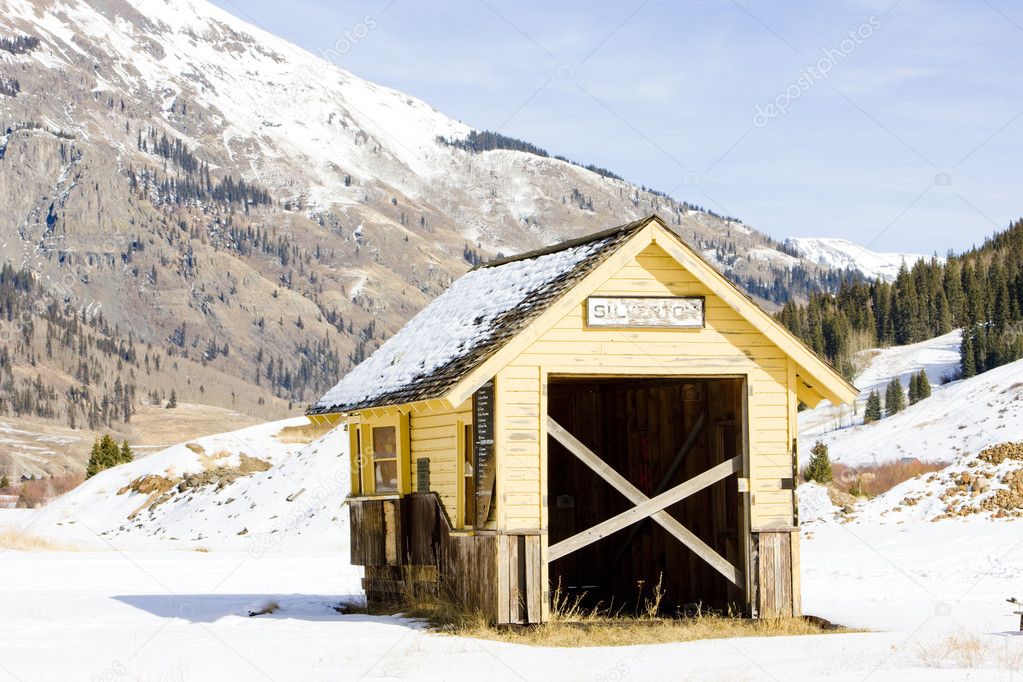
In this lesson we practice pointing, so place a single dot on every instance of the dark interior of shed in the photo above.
(641, 427)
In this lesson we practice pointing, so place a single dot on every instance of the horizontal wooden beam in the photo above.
(649, 507)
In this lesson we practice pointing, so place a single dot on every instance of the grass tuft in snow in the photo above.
(24, 542)
(264, 608)
(303, 434)
(964, 650)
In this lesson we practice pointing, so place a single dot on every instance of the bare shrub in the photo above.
(873, 480)
(36, 493)
(1009, 655)
(968, 651)
(931, 653)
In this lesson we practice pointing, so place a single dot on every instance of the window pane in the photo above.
(386, 473)
(384, 442)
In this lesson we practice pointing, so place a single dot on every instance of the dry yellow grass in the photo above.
(625, 631)
(303, 434)
(966, 651)
(25, 542)
(573, 626)
(873, 480)
(1009, 655)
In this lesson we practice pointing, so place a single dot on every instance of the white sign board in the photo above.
(645, 311)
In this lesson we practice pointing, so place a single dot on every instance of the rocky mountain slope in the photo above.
(204, 208)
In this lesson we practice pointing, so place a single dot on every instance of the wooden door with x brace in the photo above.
(643, 490)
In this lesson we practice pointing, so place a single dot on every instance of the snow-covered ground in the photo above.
(844, 254)
(132, 603)
(179, 615)
(915, 577)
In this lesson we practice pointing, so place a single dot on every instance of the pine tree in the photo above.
(819, 468)
(872, 413)
(4, 482)
(914, 389)
(894, 399)
(173, 401)
(104, 454)
(95, 464)
(924, 387)
(968, 354)
(943, 315)
(1000, 313)
(126, 454)
(953, 286)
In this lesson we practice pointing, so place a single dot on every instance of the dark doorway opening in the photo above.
(657, 434)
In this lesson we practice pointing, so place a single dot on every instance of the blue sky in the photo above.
(896, 124)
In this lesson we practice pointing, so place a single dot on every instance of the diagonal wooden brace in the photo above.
(645, 506)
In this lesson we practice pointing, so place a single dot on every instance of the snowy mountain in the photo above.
(260, 215)
(842, 254)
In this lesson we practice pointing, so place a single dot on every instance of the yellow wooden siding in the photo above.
(727, 345)
(518, 446)
(435, 437)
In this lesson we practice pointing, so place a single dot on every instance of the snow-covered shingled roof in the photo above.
(469, 322)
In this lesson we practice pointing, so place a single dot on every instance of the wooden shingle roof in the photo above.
(469, 322)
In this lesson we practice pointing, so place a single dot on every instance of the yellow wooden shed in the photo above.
(602, 416)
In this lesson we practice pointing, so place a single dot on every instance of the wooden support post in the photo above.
(645, 506)
(774, 569)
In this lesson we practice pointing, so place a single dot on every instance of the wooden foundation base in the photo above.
(408, 548)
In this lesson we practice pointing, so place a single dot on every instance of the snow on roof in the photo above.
(467, 323)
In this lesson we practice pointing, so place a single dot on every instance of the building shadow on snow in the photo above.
(209, 608)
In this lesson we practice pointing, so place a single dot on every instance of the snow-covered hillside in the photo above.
(960, 417)
(843, 254)
(939, 357)
(988, 485)
(255, 489)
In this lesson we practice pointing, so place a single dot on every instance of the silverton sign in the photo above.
(644, 311)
